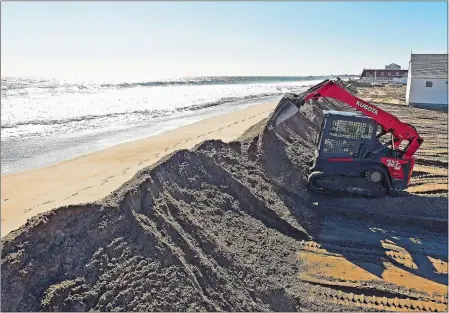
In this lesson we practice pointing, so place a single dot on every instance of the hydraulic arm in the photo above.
(389, 123)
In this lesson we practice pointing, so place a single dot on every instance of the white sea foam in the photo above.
(32, 108)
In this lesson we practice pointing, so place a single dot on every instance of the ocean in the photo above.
(44, 121)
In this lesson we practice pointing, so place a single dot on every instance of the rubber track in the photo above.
(345, 193)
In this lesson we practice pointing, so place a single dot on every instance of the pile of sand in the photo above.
(213, 228)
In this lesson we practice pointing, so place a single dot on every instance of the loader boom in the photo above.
(390, 123)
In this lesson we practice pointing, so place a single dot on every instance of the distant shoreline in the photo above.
(23, 155)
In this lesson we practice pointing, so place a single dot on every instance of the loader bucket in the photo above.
(290, 104)
(284, 110)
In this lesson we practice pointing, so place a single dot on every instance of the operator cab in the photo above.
(344, 134)
(347, 135)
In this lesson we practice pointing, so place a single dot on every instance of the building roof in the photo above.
(429, 65)
(394, 64)
(383, 73)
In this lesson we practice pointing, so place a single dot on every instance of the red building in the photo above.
(382, 75)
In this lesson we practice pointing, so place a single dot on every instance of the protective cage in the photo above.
(338, 146)
(350, 129)
(344, 136)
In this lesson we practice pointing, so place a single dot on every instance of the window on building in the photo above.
(397, 73)
(389, 73)
(382, 73)
(429, 84)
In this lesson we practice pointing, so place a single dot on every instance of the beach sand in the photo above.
(91, 177)
(388, 94)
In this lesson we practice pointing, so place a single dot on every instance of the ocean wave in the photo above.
(10, 83)
(146, 113)
(48, 107)
(208, 81)
(84, 118)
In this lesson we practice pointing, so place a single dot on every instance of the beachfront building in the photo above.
(401, 80)
(392, 66)
(427, 80)
(382, 75)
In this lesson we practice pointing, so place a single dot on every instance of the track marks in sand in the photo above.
(156, 156)
(142, 162)
(429, 180)
(350, 298)
(78, 192)
(429, 188)
(426, 169)
(364, 265)
(73, 195)
(340, 281)
(236, 122)
(167, 149)
(104, 181)
(437, 162)
(37, 205)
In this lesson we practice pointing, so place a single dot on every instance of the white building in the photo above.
(427, 80)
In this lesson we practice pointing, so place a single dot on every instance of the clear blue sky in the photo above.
(155, 39)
